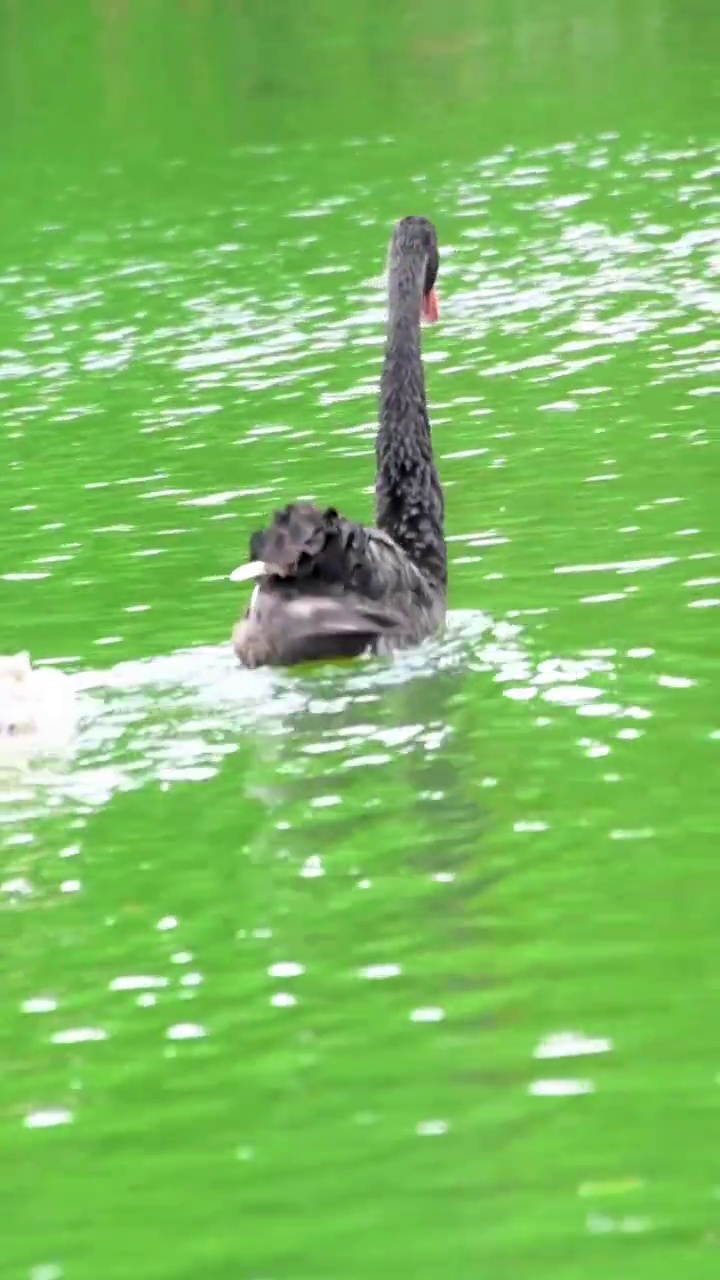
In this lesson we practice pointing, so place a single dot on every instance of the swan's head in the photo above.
(415, 242)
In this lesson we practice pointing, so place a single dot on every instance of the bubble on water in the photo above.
(378, 972)
(79, 1035)
(431, 1013)
(431, 1128)
(285, 969)
(186, 1031)
(48, 1118)
(39, 1004)
(560, 1088)
(571, 1044)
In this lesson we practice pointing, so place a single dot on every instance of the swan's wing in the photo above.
(286, 626)
(397, 570)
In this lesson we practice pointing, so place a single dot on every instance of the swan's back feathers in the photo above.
(312, 547)
(283, 627)
(303, 542)
(332, 589)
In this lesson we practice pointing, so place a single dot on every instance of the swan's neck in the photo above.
(408, 496)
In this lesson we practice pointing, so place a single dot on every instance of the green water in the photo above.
(398, 970)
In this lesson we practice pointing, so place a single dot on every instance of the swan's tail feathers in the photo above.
(305, 542)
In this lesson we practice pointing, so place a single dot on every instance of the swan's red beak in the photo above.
(430, 306)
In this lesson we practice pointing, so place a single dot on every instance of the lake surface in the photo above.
(393, 969)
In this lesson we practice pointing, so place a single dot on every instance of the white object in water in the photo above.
(37, 706)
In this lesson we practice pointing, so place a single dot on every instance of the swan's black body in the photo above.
(332, 588)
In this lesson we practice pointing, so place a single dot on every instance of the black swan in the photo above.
(328, 587)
